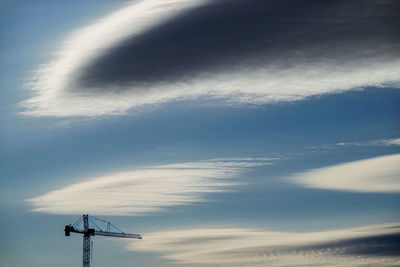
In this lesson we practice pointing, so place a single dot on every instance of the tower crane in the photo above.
(82, 226)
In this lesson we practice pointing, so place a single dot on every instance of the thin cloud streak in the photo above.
(379, 174)
(379, 142)
(372, 245)
(93, 75)
(145, 190)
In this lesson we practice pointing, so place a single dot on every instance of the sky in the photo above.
(227, 133)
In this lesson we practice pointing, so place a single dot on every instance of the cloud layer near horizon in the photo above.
(247, 52)
(380, 174)
(146, 190)
(372, 245)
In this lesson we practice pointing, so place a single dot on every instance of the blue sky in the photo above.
(202, 123)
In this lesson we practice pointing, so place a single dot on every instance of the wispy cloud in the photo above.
(145, 190)
(389, 142)
(384, 142)
(371, 245)
(380, 174)
(248, 52)
(378, 142)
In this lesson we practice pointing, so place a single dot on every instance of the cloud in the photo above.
(379, 142)
(394, 141)
(380, 174)
(145, 190)
(370, 245)
(239, 52)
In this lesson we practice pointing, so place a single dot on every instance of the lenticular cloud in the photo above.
(379, 174)
(374, 245)
(248, 52)
(145, 190)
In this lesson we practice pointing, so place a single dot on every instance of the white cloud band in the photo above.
(145, 190)
(380, 174)
(254, 247)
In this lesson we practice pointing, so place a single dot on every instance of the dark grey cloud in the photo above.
(383, 245)
(226, 34)
(238, 51)
(386, 245)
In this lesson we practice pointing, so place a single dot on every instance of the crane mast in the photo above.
(86, 242)
(87, 232)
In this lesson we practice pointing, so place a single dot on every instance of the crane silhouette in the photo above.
(87, 232)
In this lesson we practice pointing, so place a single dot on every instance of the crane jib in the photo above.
(91, 232)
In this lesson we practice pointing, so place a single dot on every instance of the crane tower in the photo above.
(87, 232)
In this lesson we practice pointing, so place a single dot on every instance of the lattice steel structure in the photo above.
(87, 232)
